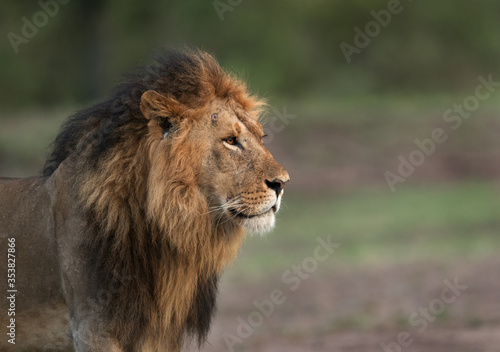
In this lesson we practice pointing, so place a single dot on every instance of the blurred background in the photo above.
(386, 115)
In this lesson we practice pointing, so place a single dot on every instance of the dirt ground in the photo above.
(365, 309)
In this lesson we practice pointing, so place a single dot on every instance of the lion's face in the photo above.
(239, 176)
(218, 150)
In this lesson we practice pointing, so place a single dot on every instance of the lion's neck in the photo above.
(186, 286)
(173, 290)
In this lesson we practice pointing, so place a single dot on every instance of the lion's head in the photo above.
(186, 126)
(237, 175)
(169, 172)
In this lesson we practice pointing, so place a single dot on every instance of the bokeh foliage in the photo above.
(289, 48)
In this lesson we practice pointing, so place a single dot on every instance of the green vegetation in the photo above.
(286, 49)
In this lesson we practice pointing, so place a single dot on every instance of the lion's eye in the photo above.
(233, 141)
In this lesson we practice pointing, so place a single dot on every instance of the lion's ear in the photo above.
(162, 110)
(155, 105)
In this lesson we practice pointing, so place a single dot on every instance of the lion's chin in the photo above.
(260, 224)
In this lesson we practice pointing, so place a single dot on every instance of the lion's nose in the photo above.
(276, 185)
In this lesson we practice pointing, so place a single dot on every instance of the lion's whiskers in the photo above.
(224, 206)
(235, 204)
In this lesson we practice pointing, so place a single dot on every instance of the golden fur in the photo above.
(166, 176)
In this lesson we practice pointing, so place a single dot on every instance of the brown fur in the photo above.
(152, 186)
(150, 202)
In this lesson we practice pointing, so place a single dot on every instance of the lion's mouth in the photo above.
(250, 216)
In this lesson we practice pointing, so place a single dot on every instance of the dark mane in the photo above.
(190, 77)
(140, 233)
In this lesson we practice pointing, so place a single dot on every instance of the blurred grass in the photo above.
(388, 111)
(25, 140)
(386, 120)
(375, 226)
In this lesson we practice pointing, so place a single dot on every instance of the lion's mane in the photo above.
(148, 232)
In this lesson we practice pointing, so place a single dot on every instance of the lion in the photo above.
(143, 201)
